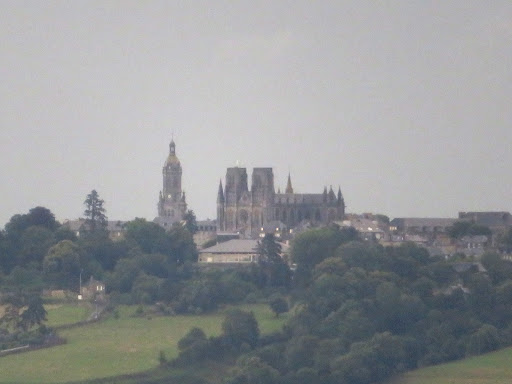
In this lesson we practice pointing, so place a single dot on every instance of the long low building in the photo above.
(235, 251)
(231, 251)
(417, 225)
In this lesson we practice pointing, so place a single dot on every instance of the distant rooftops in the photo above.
(112, 225)
(489, 218)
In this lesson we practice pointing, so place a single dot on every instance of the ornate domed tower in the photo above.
(172, 204)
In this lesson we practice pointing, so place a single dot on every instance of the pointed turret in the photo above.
(341, 201)
(332, 196)
(289, 188)
(172, 148)
(220, 194)
(324, 195)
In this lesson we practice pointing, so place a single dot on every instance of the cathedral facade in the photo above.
(244, 210)
(172, 204)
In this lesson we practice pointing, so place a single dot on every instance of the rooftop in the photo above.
(233, 246)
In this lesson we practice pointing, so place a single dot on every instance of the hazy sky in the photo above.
(407, 105)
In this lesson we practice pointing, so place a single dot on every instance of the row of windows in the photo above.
(284, 215)
(206, 228)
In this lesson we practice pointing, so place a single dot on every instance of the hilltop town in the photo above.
(249, 212)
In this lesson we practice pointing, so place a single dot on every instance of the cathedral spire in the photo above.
(341, 201)
(289, 188)
(220, 194)
(332, 196)
(172, 147)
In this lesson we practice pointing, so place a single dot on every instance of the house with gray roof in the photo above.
(496, 221)
(115, 228)
(421, 225)
(368, 229)
(235, 251)
(473, 245)
(231, 251)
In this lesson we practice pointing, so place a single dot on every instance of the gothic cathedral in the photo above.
(246, 211)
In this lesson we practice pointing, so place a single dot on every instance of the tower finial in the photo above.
(220, 194)
(289, 188)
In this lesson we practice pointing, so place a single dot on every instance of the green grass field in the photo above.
(62, 314)
(492, 368)
(115, 346)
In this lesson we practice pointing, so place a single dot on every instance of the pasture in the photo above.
(491, 368)
(62, 314)
(113, 347)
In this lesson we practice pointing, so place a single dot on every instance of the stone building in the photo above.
(244, 210)
(232, 251)
(496, 221)
(172, 204)
(235, 251)
(94, 290)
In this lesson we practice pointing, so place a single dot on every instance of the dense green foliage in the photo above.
(278, 304)
(23, 310)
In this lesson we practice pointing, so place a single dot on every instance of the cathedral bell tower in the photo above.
(172, 204)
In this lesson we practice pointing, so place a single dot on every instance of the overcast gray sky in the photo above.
(404, 104)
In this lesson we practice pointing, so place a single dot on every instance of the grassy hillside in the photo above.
(115, 346)
(492, 368)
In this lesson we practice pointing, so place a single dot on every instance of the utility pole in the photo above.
(80, 292)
